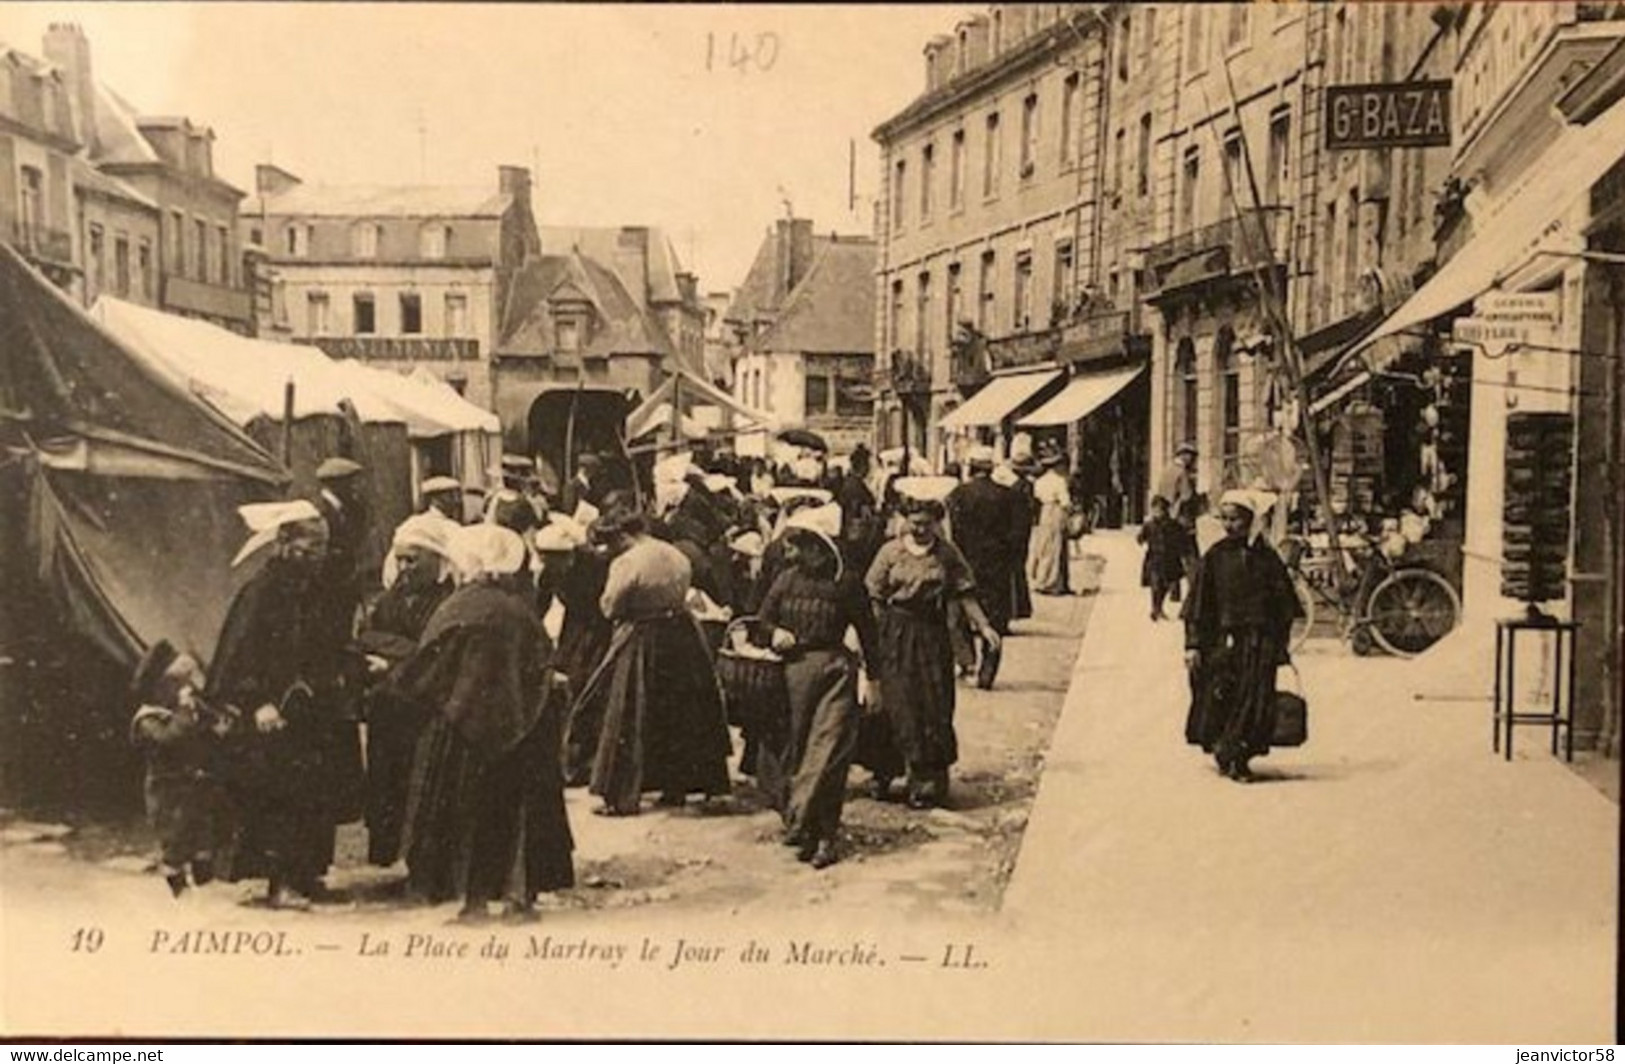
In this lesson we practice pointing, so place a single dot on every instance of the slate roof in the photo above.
(87, 176)
(606, 246)
(830, 311)
(623, 327)
(389, 201)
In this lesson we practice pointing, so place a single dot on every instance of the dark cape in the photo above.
(1238, 617)
(275, 647)
(989, 523)
(392, 630)
(485, 816)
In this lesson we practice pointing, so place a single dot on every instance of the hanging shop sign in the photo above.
(1407, 114)
(1504, 320)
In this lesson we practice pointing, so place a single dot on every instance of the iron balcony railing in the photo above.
(1241, 236)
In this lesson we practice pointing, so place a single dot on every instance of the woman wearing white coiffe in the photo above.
(417, 579)
(273, 661)
(808, 612)
(485, 816)
(1238, 619)
(1047, 559)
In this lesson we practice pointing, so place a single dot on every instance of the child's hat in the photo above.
(154, 663)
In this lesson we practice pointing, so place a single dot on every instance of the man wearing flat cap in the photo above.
(342, 503)
(1177, 484)
(444, 496)
(988, 521)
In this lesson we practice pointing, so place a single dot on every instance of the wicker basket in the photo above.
(753, 687)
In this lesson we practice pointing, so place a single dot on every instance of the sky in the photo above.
(701, 119)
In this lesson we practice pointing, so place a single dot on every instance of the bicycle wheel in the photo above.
(1411, 610)
(1303, 625)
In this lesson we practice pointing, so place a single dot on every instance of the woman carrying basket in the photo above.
(807, 612)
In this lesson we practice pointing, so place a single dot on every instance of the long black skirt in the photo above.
(582, 648)
(1233, 696)
(487, 829)
(824, 721)
(664, 728)
(393, 727)
(917, 688)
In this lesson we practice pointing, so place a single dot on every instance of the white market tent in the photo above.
(246, 379)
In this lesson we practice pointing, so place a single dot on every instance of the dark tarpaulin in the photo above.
(132, 483)
(61, 375)
(132, 560)
(118, 496)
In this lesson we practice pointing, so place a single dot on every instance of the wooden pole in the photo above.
(677, 407)
(1274, 308)
(287, 423)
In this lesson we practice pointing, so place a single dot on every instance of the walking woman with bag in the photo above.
(1238, 622)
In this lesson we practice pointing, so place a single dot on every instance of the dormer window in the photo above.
(434, 240)
(569, 335)
(364, 240)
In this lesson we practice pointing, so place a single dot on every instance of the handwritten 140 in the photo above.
(742, 52)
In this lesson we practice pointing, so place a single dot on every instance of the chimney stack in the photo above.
(514, 181)
(793, 254)
(68, 49)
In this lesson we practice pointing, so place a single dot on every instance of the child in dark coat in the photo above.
(179, 736)
(1163, 567)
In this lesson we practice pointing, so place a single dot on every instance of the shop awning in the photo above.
(1082, 396)
(1509, 236)
(997, 399)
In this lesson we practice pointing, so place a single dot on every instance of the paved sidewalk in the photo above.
(1390, 881)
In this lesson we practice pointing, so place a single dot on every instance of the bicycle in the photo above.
(1401, 609)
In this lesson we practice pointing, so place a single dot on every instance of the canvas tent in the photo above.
(118, 522)
(692, 391)
(399, 429)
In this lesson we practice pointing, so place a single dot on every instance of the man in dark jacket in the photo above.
(862, 526)
(986, 518)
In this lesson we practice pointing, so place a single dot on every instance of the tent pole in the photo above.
(677, 407)
(570, 434)
(287, 424)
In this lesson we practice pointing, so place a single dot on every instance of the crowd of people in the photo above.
(578, 639)
(599, 638)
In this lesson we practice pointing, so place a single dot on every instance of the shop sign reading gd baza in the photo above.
(1408, 114)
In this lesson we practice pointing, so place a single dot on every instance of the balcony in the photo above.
(1214, 252)
(41, 244)
(396, 348)
(208, 300)
(1023, 349)
(1106, 335)
(905, 373)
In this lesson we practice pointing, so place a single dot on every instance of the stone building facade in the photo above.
(399, 276)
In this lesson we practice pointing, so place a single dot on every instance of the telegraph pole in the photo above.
(1292, 359)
